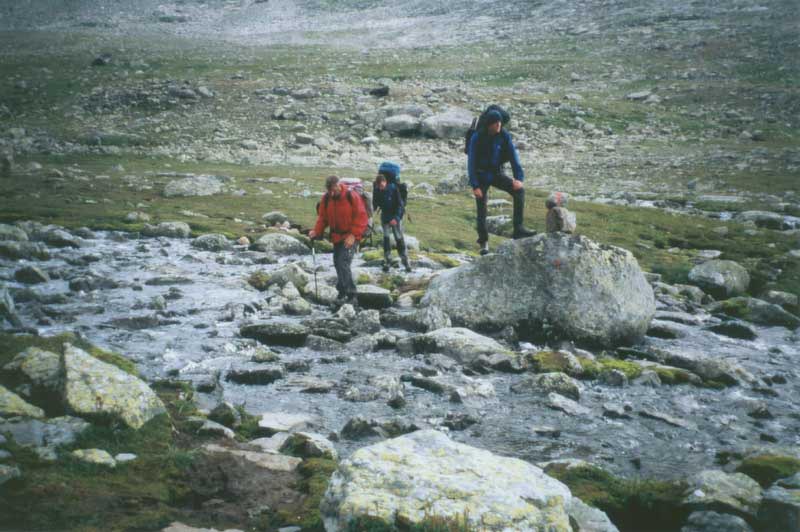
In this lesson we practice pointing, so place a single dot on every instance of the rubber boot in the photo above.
(387, 253)
(401, 250)
(519, 210)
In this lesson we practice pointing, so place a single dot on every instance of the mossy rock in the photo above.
(259, 280)
(316, 473)
(556, 361)
(669, 375)
(444, 260)
(631, 504)
(767, 468)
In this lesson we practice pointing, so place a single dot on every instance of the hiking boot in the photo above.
(484, 248)
(385, 266)
(353, 300)
(521, 232)
(406, 264)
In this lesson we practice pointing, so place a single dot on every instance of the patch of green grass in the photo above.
(767, 468)
(315, 473)
(444, 260)
(632, 505)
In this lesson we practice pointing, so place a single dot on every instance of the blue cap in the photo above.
(389, 169)
(493, 116)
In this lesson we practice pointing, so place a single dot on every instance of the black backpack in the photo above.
(479, 123)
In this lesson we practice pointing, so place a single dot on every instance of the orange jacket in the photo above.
(345, 215)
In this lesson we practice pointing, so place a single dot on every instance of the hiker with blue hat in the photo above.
(389, 195)
(489, 148)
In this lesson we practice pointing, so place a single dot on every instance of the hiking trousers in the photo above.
(342, 259)
(505, 183)
(397, 232)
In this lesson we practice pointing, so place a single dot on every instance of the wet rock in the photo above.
(460, 344)
(452, 124)
(459, 421)
(31, 275)
(297, 307)
(720, 278)
(10, 232)
(780, 510)
(424, 319)
(615, 411)
(757, 311)
(613, 377)
(8, 472)
(666, 330)
(309, 445)
(664, 417)
(367, 322)
(568, 406)
(718, 491)
(168, 229)
(41, 368)
(95, 388)
(597, 294)
(212, 242)
(359, 428)
(286, 334)
(767, 220)
(383, 481)
(708, 367)
(373, 297)
(714, 522)
(279, 244)
(8, 310)
(21, 250)
(94, 456)
(308, 384)
(549, 382)
(202, 185)
(226, 414)
(12, 404)
(88, 283)
(255, 375)
(503, 362)
(734, 329)
(274, 422)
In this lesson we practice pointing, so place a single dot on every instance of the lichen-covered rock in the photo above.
(734, 493)
(48, 434)
(168, 229)
(95, 388)
(425, 474)
(458, 343)
(202, 185)
(556, 284)
(94, 456)
(12, 404)
(720, 278)
(212, 242)
(42, 368)
(279, 244)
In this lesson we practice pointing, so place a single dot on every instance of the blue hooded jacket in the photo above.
(388, 199)
(486, 156)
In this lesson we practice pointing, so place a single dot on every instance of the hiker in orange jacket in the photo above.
(343, 211)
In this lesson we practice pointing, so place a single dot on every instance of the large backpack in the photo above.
(392, 172)
(479, 123)
(353, 185)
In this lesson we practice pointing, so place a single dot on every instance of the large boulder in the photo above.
(556, 285)
(276, 333)
(452, 124)
(401, 124)
(462, 345)
(720, 278)
(280, 244)
(426, 475)
(13, 249)
(95, 388)
(780, 510)
(202, 185)
(757, 311)
(766, 219)
(212, 242)
(41, 368)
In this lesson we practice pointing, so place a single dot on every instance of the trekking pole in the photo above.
(314, 260)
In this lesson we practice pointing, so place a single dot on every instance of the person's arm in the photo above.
(472, 162)
(322, 219)
(376, 204)
(516, 167)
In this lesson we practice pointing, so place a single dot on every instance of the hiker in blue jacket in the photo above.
(489, 148)
(387, 197)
